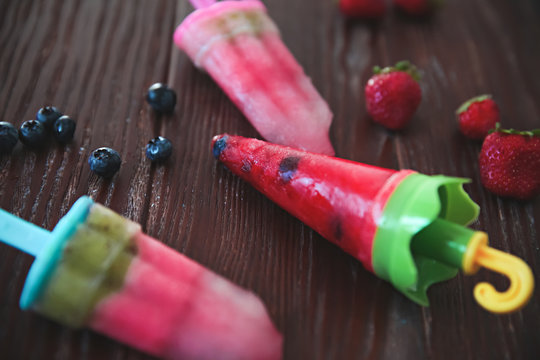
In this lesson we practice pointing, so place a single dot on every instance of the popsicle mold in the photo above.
(416, 203)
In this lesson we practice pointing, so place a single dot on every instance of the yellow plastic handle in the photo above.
(479, 254)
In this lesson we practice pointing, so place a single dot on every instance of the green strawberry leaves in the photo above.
(404, 66)
(469, 102)
(535, 132)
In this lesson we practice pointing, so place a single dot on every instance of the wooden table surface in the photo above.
(95, 59)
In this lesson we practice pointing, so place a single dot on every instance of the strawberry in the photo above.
(363, 8)
(417, 7)
(510, 163)
(393, 95)
(477, 116)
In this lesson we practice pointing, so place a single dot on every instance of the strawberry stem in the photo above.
(469, 102)
(404, 66)
(535, 132)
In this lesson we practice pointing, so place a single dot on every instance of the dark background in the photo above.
(95, 59)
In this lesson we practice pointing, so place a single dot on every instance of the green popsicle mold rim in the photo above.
(416, 202)
(47, 259)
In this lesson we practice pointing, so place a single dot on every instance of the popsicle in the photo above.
(406, 227)
(97, 269)
(239, 46)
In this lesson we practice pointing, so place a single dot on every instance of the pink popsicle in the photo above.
(172, 307)
(98, 270)
(240, 47)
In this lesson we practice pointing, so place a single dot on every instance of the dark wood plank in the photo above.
(95, 59)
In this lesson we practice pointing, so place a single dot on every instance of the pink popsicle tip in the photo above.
(199, 4)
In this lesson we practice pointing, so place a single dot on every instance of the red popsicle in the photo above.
(406, 227)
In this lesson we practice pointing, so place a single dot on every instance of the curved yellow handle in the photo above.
(479, 254)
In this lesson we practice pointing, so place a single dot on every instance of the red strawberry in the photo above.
(393, 95)
(417, 7)
(363, 8)
(477, 116)
(510, 163)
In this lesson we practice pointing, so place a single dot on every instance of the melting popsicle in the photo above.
(238, 44)
(407, 228)
(97, 269)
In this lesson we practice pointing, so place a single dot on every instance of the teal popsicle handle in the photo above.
(21, 234)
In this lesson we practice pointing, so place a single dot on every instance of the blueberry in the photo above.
(104, 161)
(63, 129)
(32, 133)
(219, 146)
(158, 149)
(47, 116)
(8, 137)
(161, 98)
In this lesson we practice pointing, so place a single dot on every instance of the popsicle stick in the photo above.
(21, 234)
(199, 4)
(518, 272)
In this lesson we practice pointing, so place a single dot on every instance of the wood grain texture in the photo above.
(95, 59)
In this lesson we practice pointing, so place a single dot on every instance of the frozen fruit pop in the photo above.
(238, 44)
(408, 228)
(97, 269)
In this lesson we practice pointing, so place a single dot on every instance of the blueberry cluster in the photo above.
(34, 133)
(103, 161)
(61, 126)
